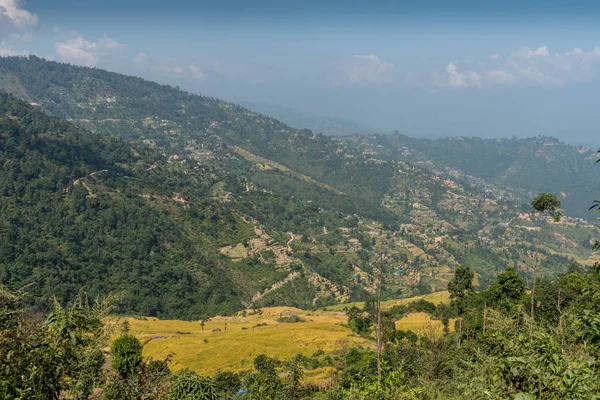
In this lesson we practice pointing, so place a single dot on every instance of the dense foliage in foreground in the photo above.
(496, 352)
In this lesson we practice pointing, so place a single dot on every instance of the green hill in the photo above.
(191, 206)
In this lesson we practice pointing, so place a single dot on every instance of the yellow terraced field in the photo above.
(422, 324)
(235, 349)
(240, 339)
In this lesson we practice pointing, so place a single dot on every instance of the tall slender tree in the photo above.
(596, 206)
(379, 283)
(460, 287)
(545, 205)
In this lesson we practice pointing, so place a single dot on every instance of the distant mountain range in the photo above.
(333, 126)
(521, 166)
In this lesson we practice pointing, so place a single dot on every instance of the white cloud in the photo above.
(501, 77)
(196, 72)
(12, 12)
(365, 69)
(455, 78)
(17, 25)
(525, 66)
(461, 79)
(74, 48)
(541, 51)
(77, 50)
(107, 43)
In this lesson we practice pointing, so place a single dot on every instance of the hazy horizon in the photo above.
(428, 69)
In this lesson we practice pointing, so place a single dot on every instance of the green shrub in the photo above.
(126, 355)
(187, 385)
(227, 382)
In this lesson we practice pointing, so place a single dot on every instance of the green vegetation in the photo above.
(190, 386)
(43, 357)
(500, 352)
(126, 355)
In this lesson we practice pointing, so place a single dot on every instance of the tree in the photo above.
(294, 375)
(264, 364)
(506, 291)
(126, 355)
(359, 324)
(227, 383)
(460, 287)
(546, 205)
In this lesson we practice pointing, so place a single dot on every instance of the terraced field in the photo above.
(232, 343)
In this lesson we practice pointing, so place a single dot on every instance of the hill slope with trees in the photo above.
(190, 206)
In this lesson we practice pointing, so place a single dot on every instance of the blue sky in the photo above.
(433, 68)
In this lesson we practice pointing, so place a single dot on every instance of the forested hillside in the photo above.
(177, 122)
(74, 215)
(189, 206)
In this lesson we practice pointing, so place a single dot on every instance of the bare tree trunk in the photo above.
(533, 294)
(379, 323)
(459, 336)
(484, 318)
(535, 268)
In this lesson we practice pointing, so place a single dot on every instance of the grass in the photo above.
(235, 252)
(235, 349)
(422, 323)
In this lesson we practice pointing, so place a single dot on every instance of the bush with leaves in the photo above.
(155, 378)
(227, 383)
(59, 355)
(264, 384)
(547, 363)
(126, 355)
(187, 385)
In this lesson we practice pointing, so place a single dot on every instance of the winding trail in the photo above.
(290, 241)
(273, 287)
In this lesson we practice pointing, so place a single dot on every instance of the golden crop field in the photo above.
(240, 339)
(232, 343)
(422, 324)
